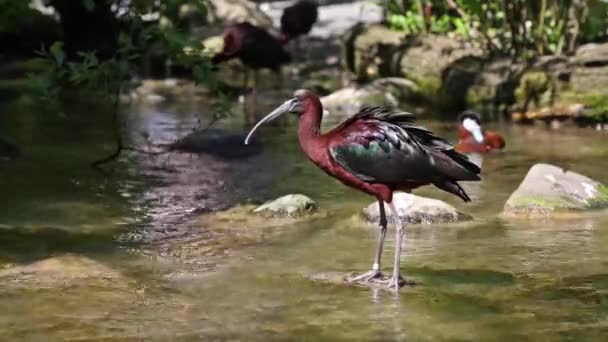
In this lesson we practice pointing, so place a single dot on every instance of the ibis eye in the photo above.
(295, 106)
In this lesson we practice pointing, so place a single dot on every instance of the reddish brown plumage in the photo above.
(377, 151)
(255, 47)
(363, 129)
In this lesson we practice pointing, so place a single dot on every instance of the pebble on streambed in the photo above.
(61, 271)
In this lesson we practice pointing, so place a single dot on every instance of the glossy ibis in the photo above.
(472, 138)
(378, 151)
(254, 47)
(298, 19)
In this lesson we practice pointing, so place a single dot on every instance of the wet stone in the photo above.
(548, 190)
(292, 205)
(416, 210)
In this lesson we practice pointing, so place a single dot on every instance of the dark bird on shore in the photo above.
(472, 138)
(298, 19)
(255, 48)
(378, 151)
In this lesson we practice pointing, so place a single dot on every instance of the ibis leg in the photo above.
(254, 96)
(396, 281)
(297, 49)
(375, 271)
(245, 80)
(244, 97)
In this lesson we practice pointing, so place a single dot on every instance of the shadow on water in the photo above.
(19, 244)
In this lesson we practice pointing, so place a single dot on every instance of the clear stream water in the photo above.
(84, 255)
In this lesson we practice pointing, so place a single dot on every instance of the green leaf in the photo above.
(56, 51)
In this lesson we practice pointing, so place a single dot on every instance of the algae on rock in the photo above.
(548, 190)
(292, 205)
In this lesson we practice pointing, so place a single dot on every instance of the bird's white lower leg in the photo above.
(375, 272)
(395, 279)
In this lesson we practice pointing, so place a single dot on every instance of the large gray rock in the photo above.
(389, 92)
(548, 189)
(293, 205)
(372, 51)
(590, 71)
(414, 209)
(591, 54)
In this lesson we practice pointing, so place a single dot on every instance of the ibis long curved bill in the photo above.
(282, 109)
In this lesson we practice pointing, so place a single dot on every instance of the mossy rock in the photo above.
(548, 190)
(390, 92)
(534, 86)
(292, 205)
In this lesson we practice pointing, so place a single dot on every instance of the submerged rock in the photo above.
(388, 92)
(58, 271)
(293, 205)
(218, 142)
(548, 189)
(211, 236)
(415, 209)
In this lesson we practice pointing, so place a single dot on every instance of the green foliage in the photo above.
(85, 71)
(408, 22)
(532, 84)
(598, 107)
(13, 13)
(513, 27)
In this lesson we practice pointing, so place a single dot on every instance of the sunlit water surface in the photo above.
(95, 273)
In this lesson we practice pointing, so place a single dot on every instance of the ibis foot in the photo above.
(366, 277)
(395, 282)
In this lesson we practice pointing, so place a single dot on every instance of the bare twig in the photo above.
(541, 27)
(422, 16)
(117, 133)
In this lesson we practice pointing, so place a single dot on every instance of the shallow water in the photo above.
(84, 246)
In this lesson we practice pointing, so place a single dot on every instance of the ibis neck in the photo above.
(309, 127)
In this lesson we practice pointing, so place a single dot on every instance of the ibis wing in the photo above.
(383, 152)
